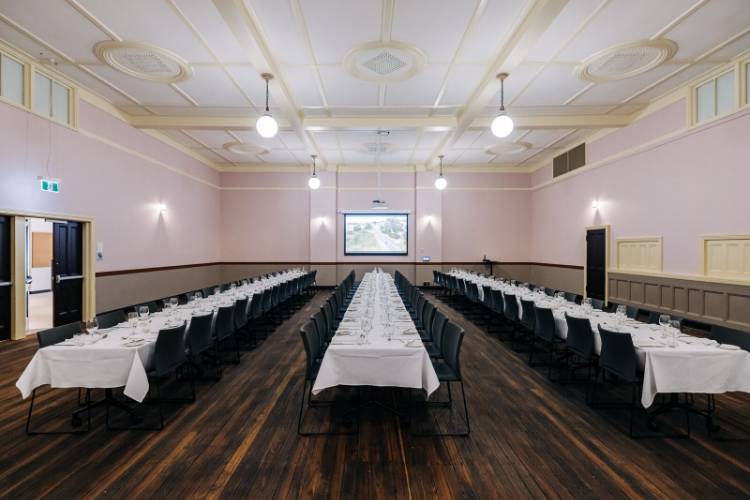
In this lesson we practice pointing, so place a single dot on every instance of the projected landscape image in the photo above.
(376, 234)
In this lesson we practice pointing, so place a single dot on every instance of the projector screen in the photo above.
(376, 234)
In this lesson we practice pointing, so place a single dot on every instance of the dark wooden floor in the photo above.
(530, 438)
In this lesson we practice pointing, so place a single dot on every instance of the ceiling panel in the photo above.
(210, 86)
(699, 33)
(237, 158)
(252, 137)
(342, 89)
(355, 139)
(182, 138)
(545, 137)
(474, 156)
(210, 155)
(303, 157)
(462, 80)
(433, 26)
(484, 38)
(623, 21)
(332, 156)
(430, 139)
(145, 91)
(214, 139)
(291, 140)
(517, 81)
(674, 82)
(56, 23)
(562, 29)
(150, 22)
(402, 139)
(211, 26)
(619, 90)
(336, 26)
(554, 85)
(517, 157)
(732, 50)
(467, 139)
(279, 156)
(421, 89)
(285, 40)
(251, 82)
(19, 40)
(354, 156)
(421, 155)
(301, 83)
(326, 139)
(93, 84)
(188, 110)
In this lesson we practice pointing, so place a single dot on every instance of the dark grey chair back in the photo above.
(439, 320)
(618, 355)
(528, 318)
(597, 304)
(572, 297)
(58, 334)
(169, 351)
(544, 324)
(580, 339)
(510, 309)
(453, 336)
(240, 313)
(111, 318)
(312, 348)
(321, 327)
(724, 335)
(198, 336)
(224, 326)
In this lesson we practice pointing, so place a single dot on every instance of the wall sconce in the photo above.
(595, 204)
(162, 208)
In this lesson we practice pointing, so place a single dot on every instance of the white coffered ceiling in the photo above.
(442, 109)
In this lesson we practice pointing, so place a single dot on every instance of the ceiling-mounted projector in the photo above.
(379, 205)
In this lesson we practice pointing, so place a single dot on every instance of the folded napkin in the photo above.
(336, 340)
(413, 343)
(648, 343)
(729, 347)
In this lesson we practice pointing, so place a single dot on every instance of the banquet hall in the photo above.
(374, 248)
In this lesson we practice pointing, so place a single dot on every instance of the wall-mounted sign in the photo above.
(49, 185)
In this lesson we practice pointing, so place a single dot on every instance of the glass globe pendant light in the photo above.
(502, 125)
(440, 182)
(266, 124)
(314, 182)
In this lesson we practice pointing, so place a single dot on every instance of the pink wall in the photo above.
(118, 189)
(693, 184)
(463, 223)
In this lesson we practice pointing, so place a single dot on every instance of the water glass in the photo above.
(132, 319)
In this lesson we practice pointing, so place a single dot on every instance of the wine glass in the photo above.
(132, 319)
(664, 320)
(143, 312)
(365, 325)
(621, 313)
(173, 302)
(92, 326)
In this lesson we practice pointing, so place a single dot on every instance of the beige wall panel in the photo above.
(695, 301)
(652, 295)
(636, 291)
(667, 297)
(738, 310)
(715, 305)
(123, 290)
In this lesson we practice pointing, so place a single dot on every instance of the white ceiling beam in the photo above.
(198, 122)
(245, 26)
(560, 121)
(535, 20)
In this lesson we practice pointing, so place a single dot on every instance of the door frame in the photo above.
(606, 228)
(18, 265)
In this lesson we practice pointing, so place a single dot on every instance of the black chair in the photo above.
(111, 318)
(241, 316)
(580, 343)
(597, 304)
(47, 338)
(224, 331)
(312, 345)
(572, 297)
(725, 335)
(618, 358)
(550, 292)
(169, 359)
(199, 341)
(449, 370)
(434, 349)
(545, 331)
(653, 318)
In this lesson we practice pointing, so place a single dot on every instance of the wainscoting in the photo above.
(708, 302)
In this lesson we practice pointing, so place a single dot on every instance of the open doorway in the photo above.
(39, 294)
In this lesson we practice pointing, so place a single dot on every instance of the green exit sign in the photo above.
(49, 185)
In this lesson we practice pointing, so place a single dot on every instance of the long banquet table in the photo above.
(120, 356)
(374, 360)
(693, 365)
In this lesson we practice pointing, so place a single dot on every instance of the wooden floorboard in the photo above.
(530, 438)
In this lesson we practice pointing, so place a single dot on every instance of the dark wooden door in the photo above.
(596, 263)
(5, 278)
(67, 272)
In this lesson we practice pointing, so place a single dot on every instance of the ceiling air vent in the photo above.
(245, 148)
(373, 148)
(143, 61)
(384, 62)
(569, 160)
(507, 148)
(626, 60)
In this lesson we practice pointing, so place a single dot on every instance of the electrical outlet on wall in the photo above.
(99, 251)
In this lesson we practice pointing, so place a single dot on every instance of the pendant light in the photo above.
(440, 182)
(379, 203)
(502, 125)
(314, 182)
(266, 124)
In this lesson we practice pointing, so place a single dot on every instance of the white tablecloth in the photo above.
(695, 366)
(379, 362)
(108, 363)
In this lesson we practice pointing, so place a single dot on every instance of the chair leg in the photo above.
(29, 432)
